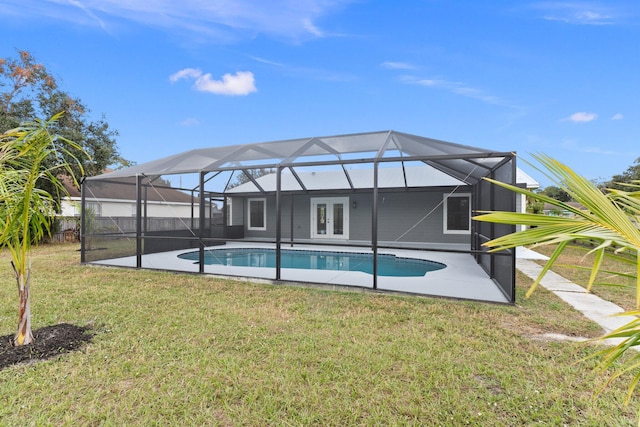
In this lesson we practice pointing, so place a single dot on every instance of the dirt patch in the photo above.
(50, 341)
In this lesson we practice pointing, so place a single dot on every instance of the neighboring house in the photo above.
(553, 210)
(523, 179)
(120, 201)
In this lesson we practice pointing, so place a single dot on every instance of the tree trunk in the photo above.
(24, 335)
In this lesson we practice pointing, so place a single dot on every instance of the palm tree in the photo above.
(610, 219)
(30, 156)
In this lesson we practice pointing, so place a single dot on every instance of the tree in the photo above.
(243, 177)
(620, 181)
(534, 206)
(610, 220)
(28, 90)
(557, 193)
(30, 154)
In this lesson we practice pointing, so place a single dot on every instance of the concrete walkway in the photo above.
(592, 306)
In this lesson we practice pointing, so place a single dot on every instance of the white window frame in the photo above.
(264, 214)
(445, 224)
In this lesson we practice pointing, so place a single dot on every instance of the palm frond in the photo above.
(608, 219)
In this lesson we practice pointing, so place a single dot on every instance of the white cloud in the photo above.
(240, 83)
(88, 12)
(457, 88)
(191, 121)
(266, 61)
(617, 116)
(581, 117)
(577, 13)
(572, 145)
(186, 73)
(224, 21)
(397, 66)
(311, 28)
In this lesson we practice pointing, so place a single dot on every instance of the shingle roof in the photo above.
(125, 189)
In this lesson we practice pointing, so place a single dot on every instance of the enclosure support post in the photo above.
(83, 224)
(278, 224)
(374, 225)
(514, 180)
(492, 226)
(145, 225)
(292, 198)
(225, 213)
(476, 195)
(192, 209)
(201, 225)
(139, 221)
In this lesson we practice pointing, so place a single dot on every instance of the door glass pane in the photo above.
(338, 219)
(321, 218)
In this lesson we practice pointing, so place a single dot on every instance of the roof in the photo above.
(550, 207)
(126, 190)
(413, 176)
(524, 178)
(462, 162)
(416, 176)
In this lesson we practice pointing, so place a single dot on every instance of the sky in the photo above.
(559, 78)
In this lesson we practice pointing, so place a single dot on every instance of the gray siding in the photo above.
(414, 216)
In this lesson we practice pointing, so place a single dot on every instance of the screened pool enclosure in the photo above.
(380, 194)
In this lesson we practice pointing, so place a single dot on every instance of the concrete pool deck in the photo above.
(462, 278)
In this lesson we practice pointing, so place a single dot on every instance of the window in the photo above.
(94, 208)
(257, 214)
(457, 213)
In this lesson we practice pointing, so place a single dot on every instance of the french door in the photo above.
(330, 218)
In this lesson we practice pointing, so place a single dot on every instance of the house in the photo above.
(553, 210)
(120, 200)
(440, 206)
(383, 190)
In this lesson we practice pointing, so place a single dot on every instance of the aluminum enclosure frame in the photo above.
(467, 164)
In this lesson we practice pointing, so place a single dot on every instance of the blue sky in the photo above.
(553, 77)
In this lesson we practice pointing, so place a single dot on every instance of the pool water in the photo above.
(388, 265)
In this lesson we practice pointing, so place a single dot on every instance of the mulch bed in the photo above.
(50, 341)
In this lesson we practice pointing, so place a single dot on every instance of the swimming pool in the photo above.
(388, 265)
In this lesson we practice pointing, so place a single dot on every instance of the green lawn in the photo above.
(177, 349)
(617, 289)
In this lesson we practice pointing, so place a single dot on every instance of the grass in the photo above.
(178, 349)
(619, 290)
